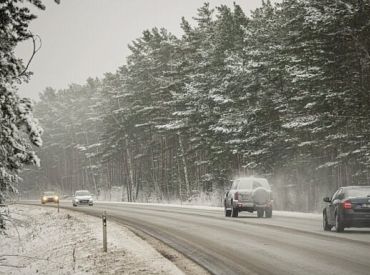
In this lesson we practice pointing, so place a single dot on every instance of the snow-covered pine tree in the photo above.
(18, 128)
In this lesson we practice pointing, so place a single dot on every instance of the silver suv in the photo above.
(249, 194)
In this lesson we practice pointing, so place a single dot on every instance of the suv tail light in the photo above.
(236, 196)
(347, 205)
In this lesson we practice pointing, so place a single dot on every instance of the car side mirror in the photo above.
(327, 199)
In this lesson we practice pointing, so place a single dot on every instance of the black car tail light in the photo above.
(347, 205)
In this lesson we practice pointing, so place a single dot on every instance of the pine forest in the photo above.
(282, 93)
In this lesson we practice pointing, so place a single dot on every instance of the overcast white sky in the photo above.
(86, 38)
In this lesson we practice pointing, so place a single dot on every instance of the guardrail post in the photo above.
(104, 219)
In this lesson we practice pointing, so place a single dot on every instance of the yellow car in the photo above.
(49, 197)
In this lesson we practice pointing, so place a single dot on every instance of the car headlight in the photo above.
(43, 198)
(56, 198)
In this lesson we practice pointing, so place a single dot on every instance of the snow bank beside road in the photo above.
(42, 241)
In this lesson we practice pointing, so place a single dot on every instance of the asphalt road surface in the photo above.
(246, 245)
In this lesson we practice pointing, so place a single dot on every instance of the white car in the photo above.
(82, 197)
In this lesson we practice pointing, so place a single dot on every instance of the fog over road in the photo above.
(284, 244)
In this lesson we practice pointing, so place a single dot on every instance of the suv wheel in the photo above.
(325, 225)
(260, 212)
(338, 223)
(227, 212)
(234, 212)
(268, 212)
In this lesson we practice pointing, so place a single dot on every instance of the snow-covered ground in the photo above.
(41, 241)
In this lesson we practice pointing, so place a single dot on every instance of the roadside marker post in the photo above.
(58, 205)
(104, 219)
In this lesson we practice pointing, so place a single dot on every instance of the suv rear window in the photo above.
(253, 183)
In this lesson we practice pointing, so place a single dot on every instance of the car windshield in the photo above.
(82, 193)
(358, 192)
(252, 183)
(49, 194)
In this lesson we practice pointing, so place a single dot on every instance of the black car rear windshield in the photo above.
(82, 193)
(358, 192)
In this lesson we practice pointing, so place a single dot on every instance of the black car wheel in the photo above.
(338, 223)
(268, 212)
(234, 212)
(260, 212)
(227, 212)
(326, 226)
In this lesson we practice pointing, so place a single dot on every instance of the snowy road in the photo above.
(285, 244)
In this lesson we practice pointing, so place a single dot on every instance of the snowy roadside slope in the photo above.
(71, 243)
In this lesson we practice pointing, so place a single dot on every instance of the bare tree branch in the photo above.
(36, 48)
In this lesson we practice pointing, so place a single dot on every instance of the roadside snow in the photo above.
(41, 241)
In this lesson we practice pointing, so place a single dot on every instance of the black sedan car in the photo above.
(348, 207)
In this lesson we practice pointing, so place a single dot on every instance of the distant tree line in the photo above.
(283, 93)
